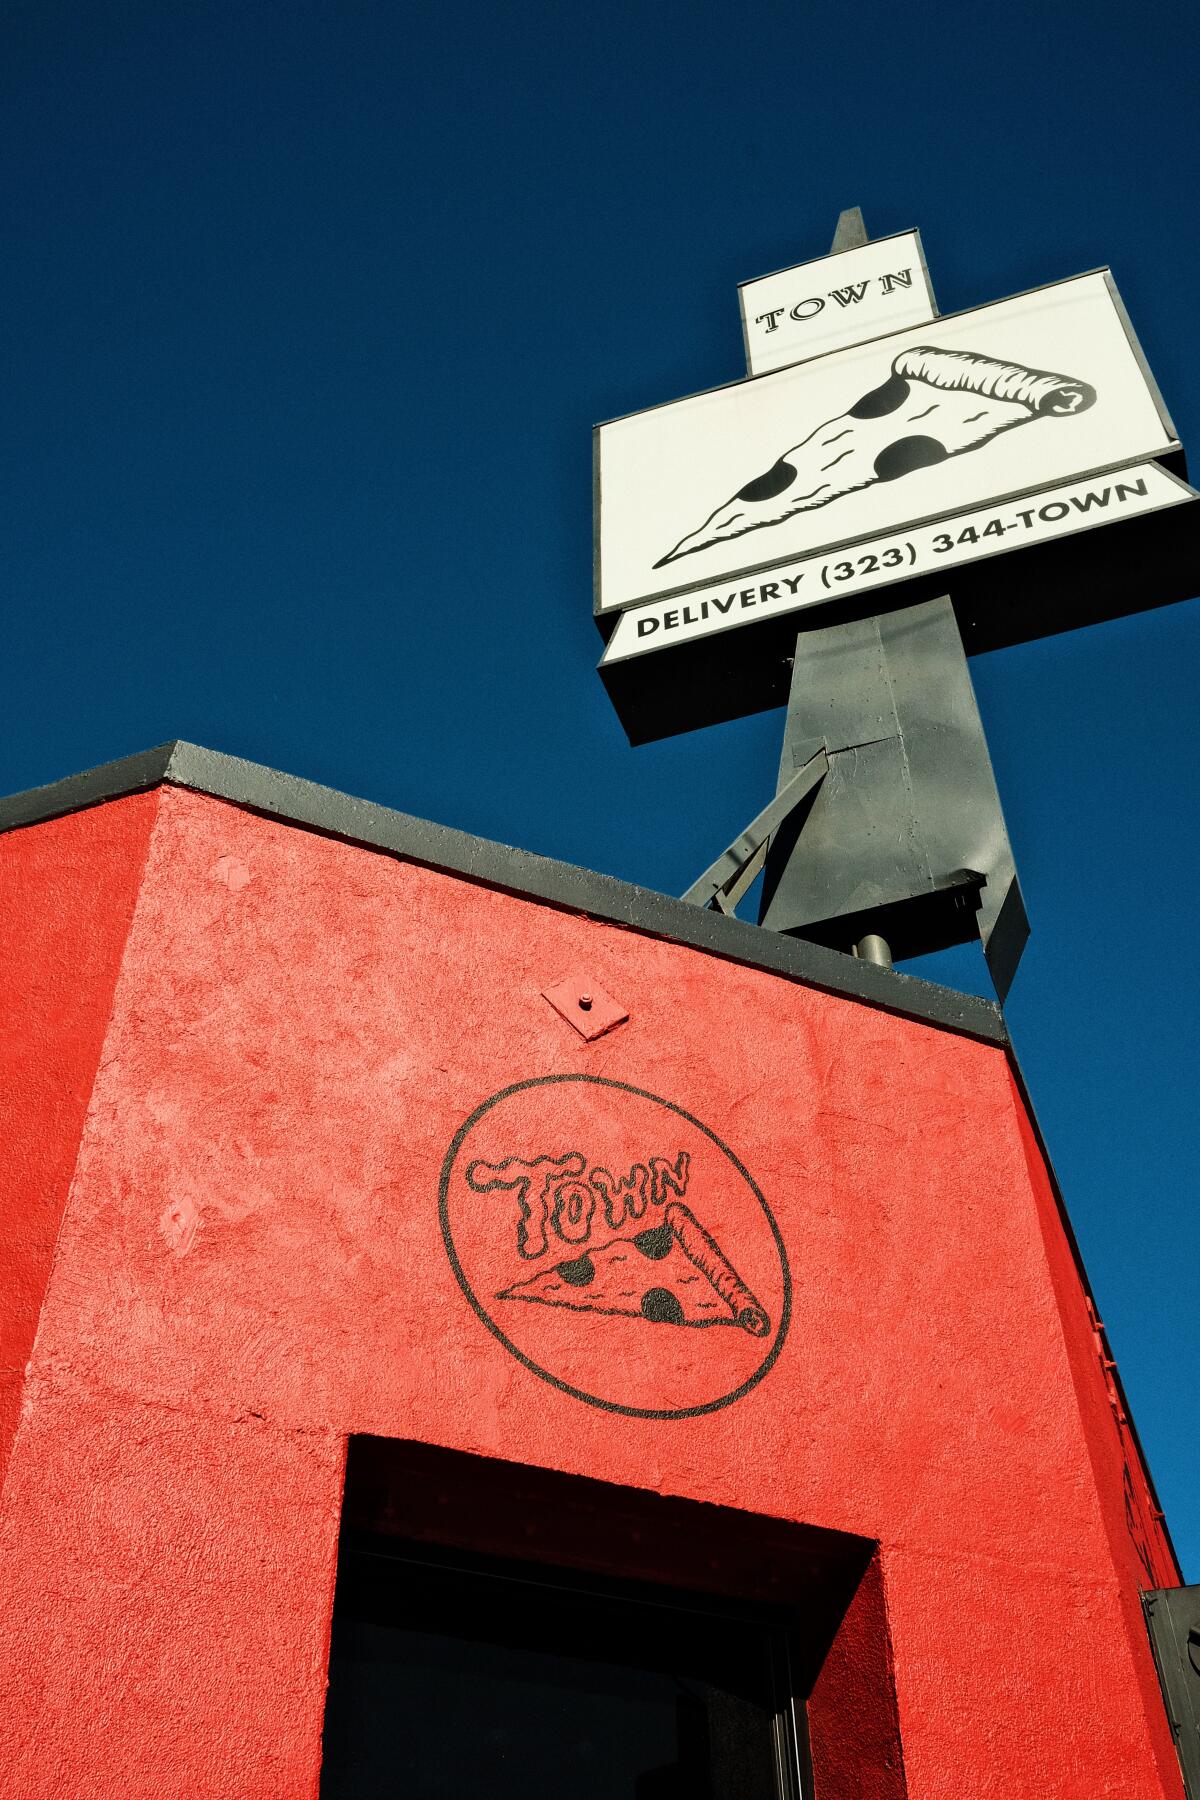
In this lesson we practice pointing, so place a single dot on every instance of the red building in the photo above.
(665, 1339)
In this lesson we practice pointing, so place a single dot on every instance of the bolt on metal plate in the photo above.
(583, 1003)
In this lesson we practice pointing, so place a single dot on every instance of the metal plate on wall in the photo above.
(1173, 1619)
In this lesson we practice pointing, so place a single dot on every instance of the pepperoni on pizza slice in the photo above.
(935, 404)
(673, 1274)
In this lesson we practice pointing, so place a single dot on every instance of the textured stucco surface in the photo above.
(67, 893)
(250, 1268)
(181, 1571)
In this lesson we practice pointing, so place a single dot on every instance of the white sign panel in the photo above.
(932, 421)
(945, 543)
(835, 301)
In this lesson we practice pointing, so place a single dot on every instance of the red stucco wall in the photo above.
(67, 892)
(252, 1267)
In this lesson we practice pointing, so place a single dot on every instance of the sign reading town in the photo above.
(837, 300)
(987, 454)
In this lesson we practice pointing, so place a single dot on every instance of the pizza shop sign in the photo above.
(896, 447)
(650, 1284)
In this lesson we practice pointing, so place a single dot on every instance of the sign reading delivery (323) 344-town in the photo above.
(908, 463)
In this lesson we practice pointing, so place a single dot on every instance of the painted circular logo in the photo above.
(615, 1246)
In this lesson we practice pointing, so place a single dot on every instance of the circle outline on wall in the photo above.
(535, 1368)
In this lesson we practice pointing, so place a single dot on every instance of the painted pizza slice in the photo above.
(672, 1274)
(935, 404)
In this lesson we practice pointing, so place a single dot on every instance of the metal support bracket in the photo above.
(725, 881)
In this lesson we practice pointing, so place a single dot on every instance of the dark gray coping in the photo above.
(323, 809)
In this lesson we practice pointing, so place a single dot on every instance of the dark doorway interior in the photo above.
(454, 1676)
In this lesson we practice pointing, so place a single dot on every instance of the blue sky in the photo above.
(308, 312)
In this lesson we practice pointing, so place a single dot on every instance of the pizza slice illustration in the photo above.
(671, 1274)
(935, 404)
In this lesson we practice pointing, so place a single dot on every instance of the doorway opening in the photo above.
(512, 1632)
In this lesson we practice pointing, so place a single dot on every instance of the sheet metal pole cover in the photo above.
(905, 836)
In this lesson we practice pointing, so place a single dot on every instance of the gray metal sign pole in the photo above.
(903, 848)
